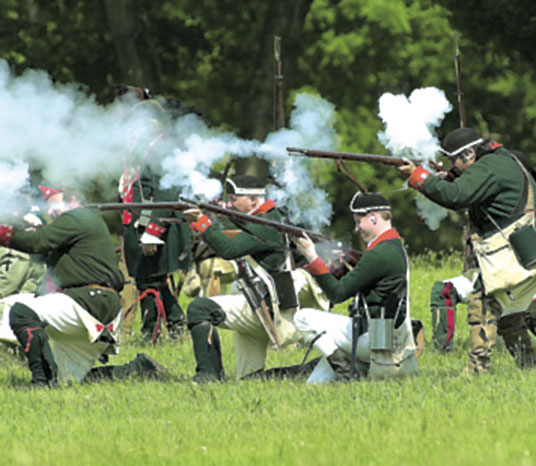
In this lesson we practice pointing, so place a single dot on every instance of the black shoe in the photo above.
(205, 377)
(148, 367)
(177, 332)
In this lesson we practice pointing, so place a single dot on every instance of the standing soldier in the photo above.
(262, 313)
(153, 249)
(378, 339)
(498, 191)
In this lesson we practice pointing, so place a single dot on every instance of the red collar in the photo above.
(387, 234)
(263, 208)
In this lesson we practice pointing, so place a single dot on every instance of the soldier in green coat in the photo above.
(153, 247)
(379, 284)
(78, 305)
(261, 314)
(496, 189)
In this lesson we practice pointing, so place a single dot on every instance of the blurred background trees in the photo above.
(217, 55)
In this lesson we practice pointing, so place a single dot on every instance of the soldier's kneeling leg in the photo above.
(31, 334)
(203, 316)
(443, 301)
(514, 330)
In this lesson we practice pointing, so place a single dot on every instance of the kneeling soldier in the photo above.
(377, 340)
(262, 313)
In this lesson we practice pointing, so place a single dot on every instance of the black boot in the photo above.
(515, 331)
(340, 363)
(32, 336)
(285, 372)
(207, 352)
(34, 342)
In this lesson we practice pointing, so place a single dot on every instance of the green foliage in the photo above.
(217, 55)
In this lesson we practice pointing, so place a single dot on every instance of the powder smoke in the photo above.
(410, 132)
(73, 141)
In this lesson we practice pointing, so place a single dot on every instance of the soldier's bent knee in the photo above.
(204, 310)
(22, 316)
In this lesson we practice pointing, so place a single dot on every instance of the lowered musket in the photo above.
(185, 204)
(371, 158)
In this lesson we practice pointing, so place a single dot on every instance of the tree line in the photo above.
(218, 56)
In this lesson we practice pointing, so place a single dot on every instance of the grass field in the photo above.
(436, 418)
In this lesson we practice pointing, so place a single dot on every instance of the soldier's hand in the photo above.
(149, 249)
(407, 168)
(306, 247)
(192, 215)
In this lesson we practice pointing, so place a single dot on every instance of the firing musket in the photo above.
(459, 82)
(356, 157)
(185, 204)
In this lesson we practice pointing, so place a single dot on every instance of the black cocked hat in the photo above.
(459, 140)
(363, 203)
(245, 185)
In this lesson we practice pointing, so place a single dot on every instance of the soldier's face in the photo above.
(464, 161)
(365, 226)
(243, 203)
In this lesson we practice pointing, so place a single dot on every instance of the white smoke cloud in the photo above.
(73, 140)
(311, 125)
(410, 125)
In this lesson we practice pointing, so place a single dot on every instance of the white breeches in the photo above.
(73, 352)
(251, 340)
(338, 335)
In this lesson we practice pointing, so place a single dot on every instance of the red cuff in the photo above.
(6, 235)
(155, 230)
(202, 224)
(317, 267)
(418, 177)
(127, 217)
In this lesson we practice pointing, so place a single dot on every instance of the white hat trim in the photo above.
(461, 149)
(246, 191)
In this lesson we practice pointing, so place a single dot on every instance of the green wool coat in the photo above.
(171, 256)
(264, 244)
(79, 251)
(493, 185)
(379, 277)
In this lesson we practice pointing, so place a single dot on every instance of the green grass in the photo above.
(436, 418)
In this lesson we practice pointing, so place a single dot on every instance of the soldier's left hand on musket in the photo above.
(407, 168)
(306, 247)
(193, 214)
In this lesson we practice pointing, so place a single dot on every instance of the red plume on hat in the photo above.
(49, 192)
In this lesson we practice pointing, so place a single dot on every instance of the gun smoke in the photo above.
(410, 125)
(73, 141)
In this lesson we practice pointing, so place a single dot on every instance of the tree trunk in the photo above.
(284, 19)
(136, 68)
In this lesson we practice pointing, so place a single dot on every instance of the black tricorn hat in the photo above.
(459, 140)
(363, 203)
(245, 185)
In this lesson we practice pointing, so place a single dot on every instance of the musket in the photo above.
(356, 157)
(185, 204)
(279, 98)
(459, 82)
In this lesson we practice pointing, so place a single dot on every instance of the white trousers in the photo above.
(73, 351)
(337, 335)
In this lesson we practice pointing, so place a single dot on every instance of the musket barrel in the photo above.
(185, 204)
(358, 157)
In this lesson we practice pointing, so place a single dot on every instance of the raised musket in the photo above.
(358, 157)
(459, 82)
